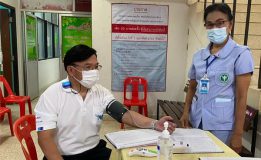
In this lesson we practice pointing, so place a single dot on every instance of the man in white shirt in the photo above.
(69, 113)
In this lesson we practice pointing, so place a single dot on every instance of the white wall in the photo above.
(197, 38)
(48, 73)
(176, 56)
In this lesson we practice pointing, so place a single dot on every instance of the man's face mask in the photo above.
(217, 35)
(89, 78)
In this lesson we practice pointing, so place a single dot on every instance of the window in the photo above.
(49, 40)
(48, 17)
(41, 41)
(56, 41)
(55, 18)
(39, 15)
(47, 35)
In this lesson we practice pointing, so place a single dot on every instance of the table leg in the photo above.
(119, 154)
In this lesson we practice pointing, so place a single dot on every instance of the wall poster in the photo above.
(75, 30)
(31, 39)
(139, 44)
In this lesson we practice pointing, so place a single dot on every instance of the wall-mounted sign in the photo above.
(139, 44)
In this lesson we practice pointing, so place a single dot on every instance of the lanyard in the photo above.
(208, 64)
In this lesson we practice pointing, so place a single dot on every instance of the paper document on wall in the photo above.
(198, 141)
(133, 138)
(228, 158)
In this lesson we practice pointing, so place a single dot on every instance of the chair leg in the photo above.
(10, 122)
(2, 118)
(140, 109)
(29, 106)
(22, 109)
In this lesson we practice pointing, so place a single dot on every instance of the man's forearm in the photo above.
(50, 150)
(48, 145)
(134, 119)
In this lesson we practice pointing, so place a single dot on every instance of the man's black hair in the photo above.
(78, 53)
(221, 7)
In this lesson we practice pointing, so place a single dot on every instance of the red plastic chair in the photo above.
(4, 110)
(135, 84)
(22, 130)
(11, 98)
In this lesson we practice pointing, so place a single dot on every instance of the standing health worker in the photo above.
(219, 80)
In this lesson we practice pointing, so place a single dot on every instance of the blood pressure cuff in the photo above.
(116, 110)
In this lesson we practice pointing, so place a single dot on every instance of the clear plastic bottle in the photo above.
(165, 144)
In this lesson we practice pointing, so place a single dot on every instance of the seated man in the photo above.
(69, 113)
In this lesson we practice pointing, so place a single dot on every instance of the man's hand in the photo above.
(236, 142)
(159, 126)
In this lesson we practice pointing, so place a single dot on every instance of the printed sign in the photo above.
(139, 44)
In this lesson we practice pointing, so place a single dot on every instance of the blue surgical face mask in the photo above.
(217, 35)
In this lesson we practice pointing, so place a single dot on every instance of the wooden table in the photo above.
(227, 152)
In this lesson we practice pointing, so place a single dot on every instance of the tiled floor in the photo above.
(10, 148)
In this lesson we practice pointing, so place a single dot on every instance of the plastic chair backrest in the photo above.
(6, 85)
(135, 82)
(22, 130)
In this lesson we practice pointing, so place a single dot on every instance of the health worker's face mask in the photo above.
(89, 78)
(217, 35)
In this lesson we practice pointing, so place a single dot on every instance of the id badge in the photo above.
(204, 85)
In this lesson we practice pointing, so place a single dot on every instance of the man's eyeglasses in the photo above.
(218, 24)
(88, 68)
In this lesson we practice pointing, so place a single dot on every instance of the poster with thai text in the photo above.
(139, 44)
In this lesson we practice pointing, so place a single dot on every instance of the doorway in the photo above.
(8, 46)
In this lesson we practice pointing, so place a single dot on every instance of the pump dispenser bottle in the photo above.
(165, 144)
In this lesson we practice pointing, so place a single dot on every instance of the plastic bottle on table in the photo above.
(165, 144)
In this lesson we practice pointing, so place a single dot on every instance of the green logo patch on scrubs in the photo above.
(224, 78)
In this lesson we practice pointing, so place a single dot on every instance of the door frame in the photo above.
(30, 65)
(14, 56)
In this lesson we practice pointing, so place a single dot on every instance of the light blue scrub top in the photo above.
(216, 108)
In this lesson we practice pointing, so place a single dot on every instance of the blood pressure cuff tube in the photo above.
(116, 110)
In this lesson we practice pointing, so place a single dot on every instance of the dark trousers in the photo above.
(100, 152)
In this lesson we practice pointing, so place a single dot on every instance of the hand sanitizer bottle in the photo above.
(165, 144)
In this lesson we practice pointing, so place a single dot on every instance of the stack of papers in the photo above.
(133, 138)
(196, 140)
(228, 158)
